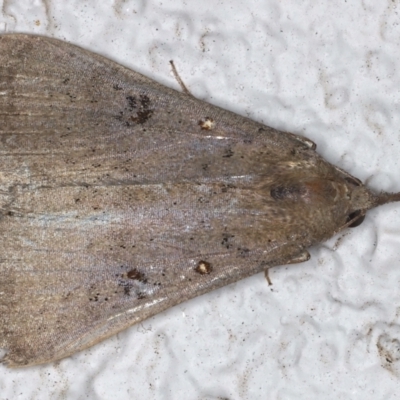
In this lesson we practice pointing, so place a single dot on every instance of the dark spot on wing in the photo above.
(228, 153)
(225, 188)
(142, 116)
(243, 252)
(131, 102)
(206, 124)
(136, 275)
(290, 192)
(144, 111)
(227, 240)
(133, 282)
(203, 268)
(137, 110)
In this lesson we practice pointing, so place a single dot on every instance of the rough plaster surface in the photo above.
(326, 329)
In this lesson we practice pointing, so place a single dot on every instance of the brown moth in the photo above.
(121, 197)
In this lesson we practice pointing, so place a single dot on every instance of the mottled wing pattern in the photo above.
(120, 198)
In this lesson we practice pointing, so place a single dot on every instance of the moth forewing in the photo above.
(121, 198)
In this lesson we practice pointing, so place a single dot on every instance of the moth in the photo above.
(121, 198)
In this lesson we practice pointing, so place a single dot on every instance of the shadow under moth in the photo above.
(120, 198)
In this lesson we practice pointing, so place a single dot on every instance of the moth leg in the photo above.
(299, 258)
(349, 178)
(308, 142)
(179, 79)
(266, 274)
(304, 140)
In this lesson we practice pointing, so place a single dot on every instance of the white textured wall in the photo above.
(326, 329)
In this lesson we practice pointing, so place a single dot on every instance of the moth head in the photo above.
(332, 202)
(360, 199)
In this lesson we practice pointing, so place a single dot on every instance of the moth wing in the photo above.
(120, 198)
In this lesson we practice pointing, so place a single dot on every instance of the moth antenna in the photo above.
(179, 79)
(365, 199)
(383, 198)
